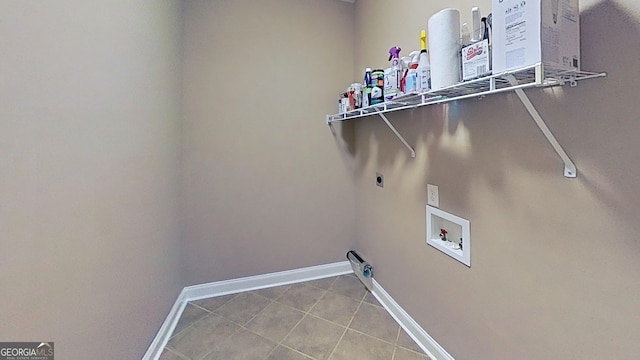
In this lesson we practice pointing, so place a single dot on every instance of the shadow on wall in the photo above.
(606, 128)
(462, 141)
(343, 135)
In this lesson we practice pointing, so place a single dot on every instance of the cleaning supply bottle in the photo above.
(366, 88)
(393, 75)
(411, 80)
(465, 35)
(377, 87)
(405, 62)
(476, 21)
(424, 68)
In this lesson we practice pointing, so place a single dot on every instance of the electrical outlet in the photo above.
(380, 179)
(433, 198)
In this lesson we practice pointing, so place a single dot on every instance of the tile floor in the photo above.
(333, 318)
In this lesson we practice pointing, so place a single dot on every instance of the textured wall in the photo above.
(555, 260)
(267, 184)
(89, 143)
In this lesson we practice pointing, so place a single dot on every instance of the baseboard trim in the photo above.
(219, 288)
(415, 331)
(162, 337)
(233, 286)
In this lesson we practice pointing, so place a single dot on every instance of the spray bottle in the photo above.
(366, 88)
(393, 75)
(411, 81)
(424, 68)
(405, 62)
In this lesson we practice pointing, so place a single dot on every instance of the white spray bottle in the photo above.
(424, 68)
(393, 75)
(405, 62)
(411, 81)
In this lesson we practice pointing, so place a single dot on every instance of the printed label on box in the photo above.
(535, 31)
(475, 60)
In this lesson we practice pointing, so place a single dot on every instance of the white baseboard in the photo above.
(219, 288)
(233, 286)
(417, 333)
(162, 337)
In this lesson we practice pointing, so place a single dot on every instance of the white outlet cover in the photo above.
(433, 198)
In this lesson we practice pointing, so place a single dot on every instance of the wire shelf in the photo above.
(533, 76)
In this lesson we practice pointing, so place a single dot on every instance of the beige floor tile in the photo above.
(275, 321)
(283, 353)
(360, 346)
(315, 337)
(375, 321)
(369, 298)
(273, 292)
(349, 286)
(202, 336)
(301, 296)
(407, 342)
(243, 307)
(213, 303)
(324, 284)
(251, 325)
(335, 307)
(190, 315)
(170, 355)
(404, 354)
(243, 345)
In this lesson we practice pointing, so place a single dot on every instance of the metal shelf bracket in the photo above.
(406, 144)
(570, 170)
(533, 76)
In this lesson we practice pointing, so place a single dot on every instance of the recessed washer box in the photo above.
(457, 230)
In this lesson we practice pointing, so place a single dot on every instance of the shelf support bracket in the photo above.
(406, 144)
(570, 170)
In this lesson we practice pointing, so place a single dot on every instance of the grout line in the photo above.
(306, 313)
(258, 313)
(348, 326)
(199, 307)
(255, 292)
(307, 356)
(395, 347)
(330, 285)
(239, 325)
(211, 311)
(177, 353)
(398, 335)
(174, 334)
(227, 338)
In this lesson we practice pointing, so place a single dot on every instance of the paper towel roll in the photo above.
(444, 47)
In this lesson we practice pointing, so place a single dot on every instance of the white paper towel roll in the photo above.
(444, 47)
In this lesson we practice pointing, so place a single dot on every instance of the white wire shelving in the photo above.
(535, 76)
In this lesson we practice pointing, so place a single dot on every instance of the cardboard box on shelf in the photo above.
(527, 32)
(475, 60)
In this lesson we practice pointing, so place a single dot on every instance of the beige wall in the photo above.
(267, 185)
(89, 142)
(91, 132)
(555, 261)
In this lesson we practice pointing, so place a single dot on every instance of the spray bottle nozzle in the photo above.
(394, 52)
(423, 40)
